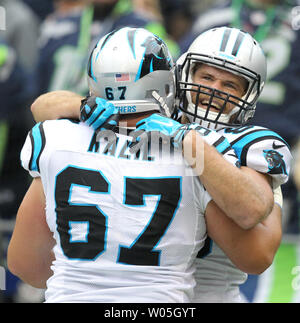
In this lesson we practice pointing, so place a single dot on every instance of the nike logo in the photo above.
(274, 146)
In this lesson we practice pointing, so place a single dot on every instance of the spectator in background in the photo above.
(70, 32)
(180, 15)
(41, 8)
(21, 32)
(13, 129)
(18, 56)
(61, 42)
(177, 17)
(150, 8)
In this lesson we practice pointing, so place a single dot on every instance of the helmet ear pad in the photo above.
(233, 51)
(130, 65)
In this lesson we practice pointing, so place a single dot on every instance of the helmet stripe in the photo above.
(131, 37)
(238, 43)
(107, 38)
(138, 74)
(225, 39)
(90, 68)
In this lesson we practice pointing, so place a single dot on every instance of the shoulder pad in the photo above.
(32, 149)
(261, 149)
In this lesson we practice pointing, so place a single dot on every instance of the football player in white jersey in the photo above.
(207, 96)
(263, 230)
(220, 79)
(119, 226)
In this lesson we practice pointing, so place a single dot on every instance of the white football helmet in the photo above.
(229, 49)
(133, 68)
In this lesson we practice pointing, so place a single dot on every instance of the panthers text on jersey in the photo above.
(261, 149)
(127, 227)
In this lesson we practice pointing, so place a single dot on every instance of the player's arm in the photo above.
(242, 193)
(56, 105)
(253, 250)
(30, 253)
(94, 111)
(246, 197)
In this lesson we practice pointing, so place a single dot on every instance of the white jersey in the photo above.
(217, 278)
(127, 227)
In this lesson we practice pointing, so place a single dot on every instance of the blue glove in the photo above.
(160, 125)
(99, 113)
(158, 122)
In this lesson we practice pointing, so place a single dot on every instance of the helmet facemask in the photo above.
(189, 94)
(235, 52)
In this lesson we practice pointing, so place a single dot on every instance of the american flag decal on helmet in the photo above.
(122, 77)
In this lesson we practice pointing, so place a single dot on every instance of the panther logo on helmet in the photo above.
(156, 57)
